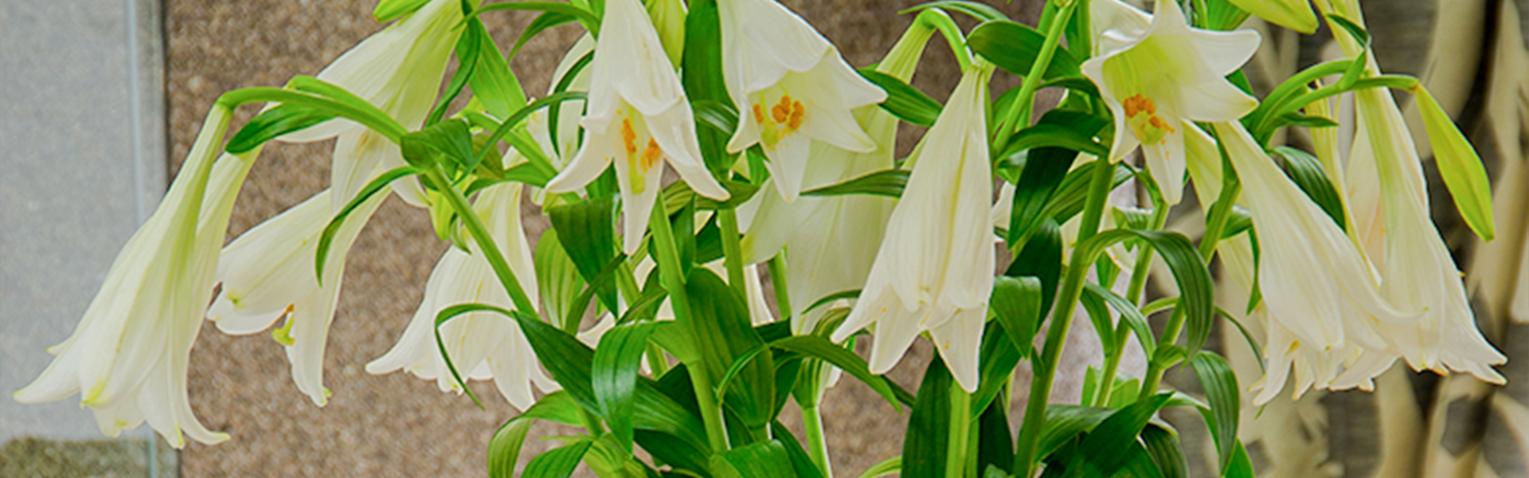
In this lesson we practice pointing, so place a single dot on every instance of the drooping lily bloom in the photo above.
(1158, 74)
(1417, 271)
(791, 87)
(268, 273)
(398, 70)
(934, 270)
(831, 242)
(129, 355)
(638, 117)
(268, 276)
(1321, 290)
(482, 345)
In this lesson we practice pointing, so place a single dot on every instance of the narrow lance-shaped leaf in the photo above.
(1459, 165)
(614, 376)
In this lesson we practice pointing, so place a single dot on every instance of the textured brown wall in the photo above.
(397, 425)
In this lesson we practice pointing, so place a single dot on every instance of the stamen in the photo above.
(759, 116)
(628, 136)
(797, 112)
(283, 334)
(651, 154)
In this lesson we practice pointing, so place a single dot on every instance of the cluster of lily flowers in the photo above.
(1340, 304)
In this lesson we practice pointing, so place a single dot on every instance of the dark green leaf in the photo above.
(1132, 316)
(590, 20)
(1308, 173)
(270, 124)
(559, 462)
(760, 460)
(820, 348)
(504, 448)
(995, 445)
(926, 446)
(587, 230)
(1014, 46)
(451, 139)
(903, 100)
(880, 183)
(614, 376)
(1163, 446)
(720, 323)
(367, 192)
(701, 74)
(1017, 304)
(1221, 390)
(1041, 258)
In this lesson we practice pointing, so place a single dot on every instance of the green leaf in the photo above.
(387, 10)
(925, 445)
(767, 459)
(1017, 302)
(904, 101)
(1041, 258)
(888, 182)
(1162, 444)
(590, 21)
(1100, 450)
(559, 462)
(701, 74)
(614, 376)
(1014, 46)
(543, 22)
(722, 117)
(1132, 316)
(800, 461)
(556, 276)
(1221, 390)
(980, 11)
(1044, 169)
(451, 139)
(270, 124)
(820, 348)
(587, 231)
(326, 238)
(504, 446)
(1190, 274)
(315, 94)
(1223, 15)
(720, 323)
(1304, 121)
(1307, 172)
(1459, 165)
(995, 444)
(886, 467)
(999, 357)
(1355, 31)
(1054, 135)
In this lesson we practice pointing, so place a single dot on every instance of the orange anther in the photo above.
(797, 112)
(651, 154)
(628, 136)
(759, 116)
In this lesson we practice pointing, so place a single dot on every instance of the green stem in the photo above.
(732, 251)
(1134, 291)
(780, 283)
(481, 236)
(1056, 333)
(1018, 115)
(1213, 227)
(670, 276)
(817, 445)
(960, 432)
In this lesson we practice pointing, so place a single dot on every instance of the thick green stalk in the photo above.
(817, 444)
(958, 447)
(779, 281)
(732, 251)
(1044, 367)
(1213, 227)
(669, 275)
(1134, 291)
(481, 236)
(1018, 115)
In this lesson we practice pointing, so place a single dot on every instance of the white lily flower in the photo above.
(831, 242)
(1417, 271)
(934, 270)
(791, 87)
(637, 111)
(129, 356)
(268, 275)
(399, 70)
(1321, 290)
(1158, 74)
(482, 345)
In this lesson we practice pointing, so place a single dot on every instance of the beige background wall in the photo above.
(396, 425)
